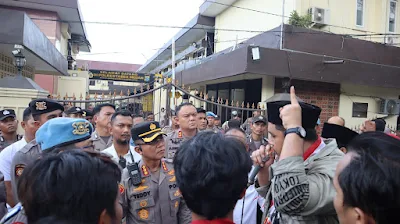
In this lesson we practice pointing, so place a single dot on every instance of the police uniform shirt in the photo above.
(156, 200)
(99, 143)
(25, 156)
(255, 145)
(172, 143)
(4, 143)
(167, 129)
(7, 155)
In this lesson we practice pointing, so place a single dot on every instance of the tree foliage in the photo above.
(300, 21)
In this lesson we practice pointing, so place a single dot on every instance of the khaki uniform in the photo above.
(252, 144)
(156, 200)
(312, 180)
(99, 144)
(172, 143)
(28, 154)
(3, 194)
(167, 129)
(4, 144)
(16, 215)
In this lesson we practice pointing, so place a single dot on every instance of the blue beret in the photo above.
(210, 114)
(63, 131)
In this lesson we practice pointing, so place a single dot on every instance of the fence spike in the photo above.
(95, 96)
(232, 103)
(242, 104)
(189, 89)
(177, 82)
(58, 96)
(263, 107)
(252, 106)
(201, 94)
(212, 99)
(88, 96)
(66, 95)
(115, 93)
(81, 97)
(141, 88)
(258, 106)
(183, 86)
(120, 93)
(134, 91)
(237, 103)
(73, 96)
(102, 95)
(128, 92)
(248, 105)
(206, 96)
(227, 102)
(109, 95)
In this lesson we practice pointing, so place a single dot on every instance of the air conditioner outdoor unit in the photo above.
(319, 16)
(390, 107)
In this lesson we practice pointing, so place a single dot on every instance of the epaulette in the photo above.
(11, 213)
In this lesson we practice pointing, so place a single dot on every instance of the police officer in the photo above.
(149, 192)
(75, 112)
(102, 138)
(174, 125)
(186, 115)
(72, 133)
(42, 111)
(8, 128)
(256, 138)
(88, 115)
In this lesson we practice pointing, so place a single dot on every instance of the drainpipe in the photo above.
(283, 22)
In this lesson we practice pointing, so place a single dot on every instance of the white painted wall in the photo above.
(364, 94)
(240, 19)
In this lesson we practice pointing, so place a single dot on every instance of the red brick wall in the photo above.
(322, 94)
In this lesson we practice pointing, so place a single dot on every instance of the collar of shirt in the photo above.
(214, 221)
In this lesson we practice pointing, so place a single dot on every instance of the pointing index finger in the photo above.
(293, 98)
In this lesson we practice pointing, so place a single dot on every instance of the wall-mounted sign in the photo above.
(121, 76)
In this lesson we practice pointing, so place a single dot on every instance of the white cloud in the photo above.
(137, 43)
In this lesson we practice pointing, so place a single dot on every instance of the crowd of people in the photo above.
(111, 166)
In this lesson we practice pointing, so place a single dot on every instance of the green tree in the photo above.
(300, 21)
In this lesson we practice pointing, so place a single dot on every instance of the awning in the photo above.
(40, 53)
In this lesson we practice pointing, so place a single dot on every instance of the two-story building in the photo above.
(345, 61)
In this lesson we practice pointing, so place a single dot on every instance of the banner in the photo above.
(121, 76)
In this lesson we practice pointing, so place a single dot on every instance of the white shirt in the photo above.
(251, 199)
(7, 155)
(112, 152)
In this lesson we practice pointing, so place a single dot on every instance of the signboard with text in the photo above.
(121, 76)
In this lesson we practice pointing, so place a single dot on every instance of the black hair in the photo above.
(36, 117)
(123, 113)
(201, 110)
(98, 107)
(311, 134)
(73, 185)
(372, 178)
(235, 129)
(136, 116)
(212, 186)
(27, 114)
(233, 123)
(178, 108)
(380, 124)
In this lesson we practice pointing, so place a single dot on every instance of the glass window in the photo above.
(392, 16)
(360, 13)
(360, 110)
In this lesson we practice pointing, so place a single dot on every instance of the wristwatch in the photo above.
(299, 130)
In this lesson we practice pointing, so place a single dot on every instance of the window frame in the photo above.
(395, 15)
(359, 113)
(363, 14)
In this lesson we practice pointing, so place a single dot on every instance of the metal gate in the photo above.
(138, 99)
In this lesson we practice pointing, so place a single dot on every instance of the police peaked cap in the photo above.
(146, 131)
(42, 106)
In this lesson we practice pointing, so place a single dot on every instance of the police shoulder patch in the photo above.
(19, 168)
